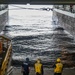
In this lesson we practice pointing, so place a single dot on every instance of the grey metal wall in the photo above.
(66, 21)
(3, 16)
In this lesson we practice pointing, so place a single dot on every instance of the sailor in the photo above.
(38, 66)
(58, 67)
(25, 67)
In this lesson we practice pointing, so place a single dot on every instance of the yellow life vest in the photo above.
(58, 68)
(38, 67)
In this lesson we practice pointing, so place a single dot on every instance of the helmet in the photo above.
(27, 59)
(58, 60)
(38, 60)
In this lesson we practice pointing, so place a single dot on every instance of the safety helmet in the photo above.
(27, 59)
(58, 60)
(38, 60)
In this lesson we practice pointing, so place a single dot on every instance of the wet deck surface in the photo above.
(47, 71)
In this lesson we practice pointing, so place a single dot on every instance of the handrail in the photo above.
(5, 48)
(4, 42)
(6, 61)
(69, 8)
(3, 6)
(3, 37)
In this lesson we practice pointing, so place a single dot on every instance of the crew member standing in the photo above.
(25, 67)
(58, 67)
(38, 66)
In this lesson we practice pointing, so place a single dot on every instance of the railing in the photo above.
(69, 8)
(3, 6)
(4, 42)
(5, 50)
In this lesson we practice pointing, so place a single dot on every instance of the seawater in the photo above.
(33, 35)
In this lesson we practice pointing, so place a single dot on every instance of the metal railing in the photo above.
(3, 6)
(69, 8)
(5, 50)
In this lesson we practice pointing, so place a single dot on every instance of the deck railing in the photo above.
(3, 6)
(69, 8)
(5, 53)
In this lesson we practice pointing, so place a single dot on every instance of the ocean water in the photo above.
(33, 33)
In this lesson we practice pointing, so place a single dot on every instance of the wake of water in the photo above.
(35, 35)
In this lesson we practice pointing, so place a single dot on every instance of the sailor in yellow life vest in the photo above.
(38, 66)
(58, 67)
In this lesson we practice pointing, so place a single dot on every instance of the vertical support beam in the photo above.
(7, 43)
(0, 71)
(1, 47)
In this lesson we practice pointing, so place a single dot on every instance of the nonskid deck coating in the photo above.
(47, 71)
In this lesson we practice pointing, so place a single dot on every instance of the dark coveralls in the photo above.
(25, 68)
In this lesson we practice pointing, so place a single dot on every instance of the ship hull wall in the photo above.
(65, 21)
(3, 19)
